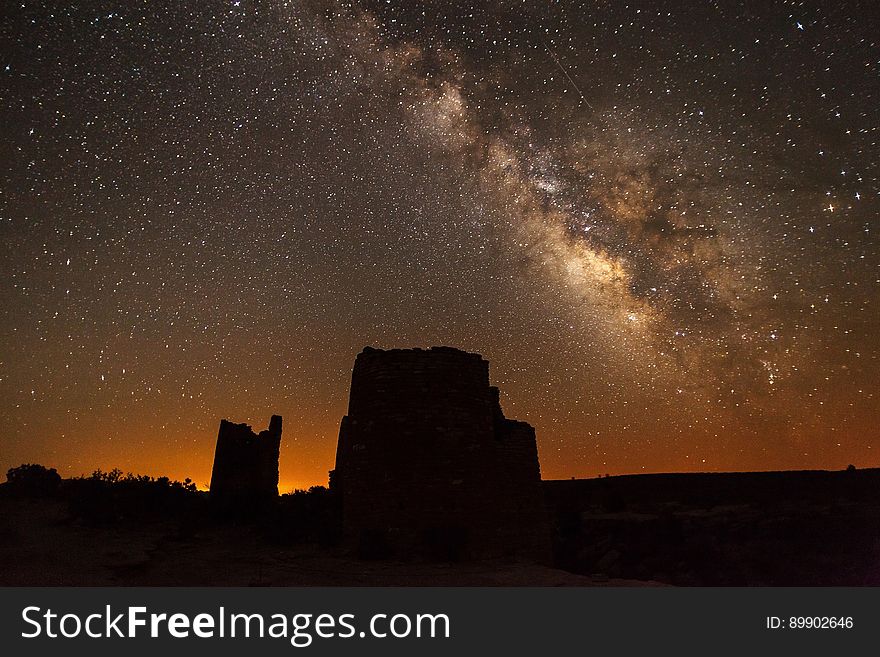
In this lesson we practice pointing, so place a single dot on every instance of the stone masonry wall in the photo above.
(246, 464)
(426, 458)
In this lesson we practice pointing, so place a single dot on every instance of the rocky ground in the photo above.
(42, 546)
(731, 529)
(811, 528)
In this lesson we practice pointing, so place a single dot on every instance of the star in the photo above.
(212, 216)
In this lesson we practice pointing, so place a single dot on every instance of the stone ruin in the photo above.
(246, 464)
(427, 463)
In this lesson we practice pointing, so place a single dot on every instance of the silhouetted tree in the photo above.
(33, 479)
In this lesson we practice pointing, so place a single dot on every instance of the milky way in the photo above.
(657, 222)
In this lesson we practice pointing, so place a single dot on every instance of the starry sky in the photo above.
(658, 221)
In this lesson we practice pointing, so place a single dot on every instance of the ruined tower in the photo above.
(426, 460)
(246, 464)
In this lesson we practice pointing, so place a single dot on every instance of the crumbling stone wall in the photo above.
(426, 460)
(246, 464)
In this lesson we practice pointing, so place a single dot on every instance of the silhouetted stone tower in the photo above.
(427, 462)
(246, 464)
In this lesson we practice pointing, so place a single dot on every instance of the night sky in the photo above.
(657, 221)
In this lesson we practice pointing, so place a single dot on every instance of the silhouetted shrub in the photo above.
(33, 480)
(109, 497)
(306, 515)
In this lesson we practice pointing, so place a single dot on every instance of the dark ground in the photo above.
(783, 528)
(42, 546)
(811, 528)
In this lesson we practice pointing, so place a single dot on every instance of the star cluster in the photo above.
(657, 221)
